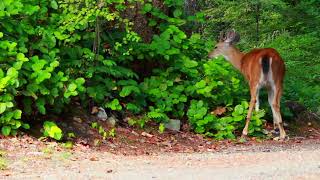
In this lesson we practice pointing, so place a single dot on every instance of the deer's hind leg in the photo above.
(274, 96)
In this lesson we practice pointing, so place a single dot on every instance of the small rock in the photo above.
(264, 131)
(276, 138)
(109, 171)
(112, 145)
(112, 121)
(102, 114)
(77, 119)
(7, 174)
(173, 124)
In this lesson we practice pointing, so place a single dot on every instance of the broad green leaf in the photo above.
(114, 105)
(201, 84)
(26, 126)
(190, 63)
(125, 91)
(52, 130)
(3, 107)
(177, 13)
(12, 72)
(38, 65)
(239, 109)
(80, 81)
(17, 114)
(40, 105)
(147, 7)
(54, 4)
(1, 73)
(21, 57)
(72, 87)
(6, 130)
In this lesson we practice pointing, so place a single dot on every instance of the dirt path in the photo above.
(277, 161)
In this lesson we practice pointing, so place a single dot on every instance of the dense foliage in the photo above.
(53, 52)
(288, 26)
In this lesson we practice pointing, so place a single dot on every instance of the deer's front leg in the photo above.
(253, 92)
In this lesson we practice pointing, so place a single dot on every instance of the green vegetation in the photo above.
(3, 160)
(54, 52)
(288, 26)
(50, 129)
(102, 131)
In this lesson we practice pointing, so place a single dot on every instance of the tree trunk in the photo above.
(257, 22)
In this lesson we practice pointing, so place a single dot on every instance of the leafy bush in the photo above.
(29, 72)
(51, 51)
(287, 26)
(303, 75)
(206, 123)
(50, 129)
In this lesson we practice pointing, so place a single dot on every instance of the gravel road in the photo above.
(301, 161)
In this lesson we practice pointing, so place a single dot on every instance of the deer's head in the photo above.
(225, 46)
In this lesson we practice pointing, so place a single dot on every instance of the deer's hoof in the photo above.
(275, 132)
(244, 136)
(281, 139)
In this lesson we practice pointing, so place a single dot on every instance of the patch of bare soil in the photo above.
(130, 140)
(28, 158)
(26, 154)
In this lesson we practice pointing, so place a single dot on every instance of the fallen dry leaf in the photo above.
(146, 135)
(133, 132)
(94, 158)
(94, 110)
(219, 110)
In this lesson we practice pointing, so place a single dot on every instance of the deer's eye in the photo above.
(215, 47)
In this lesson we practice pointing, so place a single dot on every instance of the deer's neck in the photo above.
(234, 57)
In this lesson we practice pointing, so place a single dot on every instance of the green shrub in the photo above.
(225, 127)
(30, 76)
(52, 51)
(50, 129)
(302, 63)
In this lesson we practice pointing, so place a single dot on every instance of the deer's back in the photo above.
(251, 64)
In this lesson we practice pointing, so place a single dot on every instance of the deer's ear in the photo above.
(236, 38)
(232, 37)
(221, 37)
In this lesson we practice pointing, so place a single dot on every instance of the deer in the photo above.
(261, 67)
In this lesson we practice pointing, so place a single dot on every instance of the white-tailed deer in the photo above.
(262, 68)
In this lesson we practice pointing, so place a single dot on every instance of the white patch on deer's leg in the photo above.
(270, 100)
(271, 96)
(262, 82)
(257, 102)
(279, 123)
